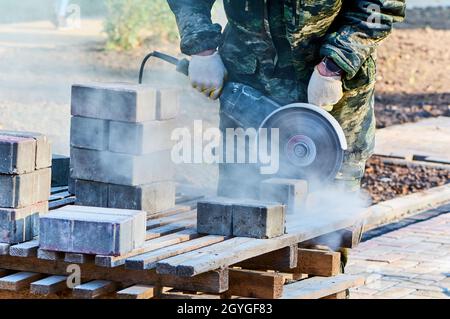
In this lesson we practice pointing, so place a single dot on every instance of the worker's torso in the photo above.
(274, 44)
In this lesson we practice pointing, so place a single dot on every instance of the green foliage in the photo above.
(128, 20)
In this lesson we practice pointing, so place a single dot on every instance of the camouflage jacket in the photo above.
(277, 43)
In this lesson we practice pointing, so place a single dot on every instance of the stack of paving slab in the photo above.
(25, 178)
(121, 146)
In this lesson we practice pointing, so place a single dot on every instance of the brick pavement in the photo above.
(409, 259)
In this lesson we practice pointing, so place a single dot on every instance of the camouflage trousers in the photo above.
(355, 114)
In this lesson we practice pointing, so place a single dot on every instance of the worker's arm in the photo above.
(362, 25)
(198, 33)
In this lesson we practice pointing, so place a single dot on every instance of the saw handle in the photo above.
(182, 65)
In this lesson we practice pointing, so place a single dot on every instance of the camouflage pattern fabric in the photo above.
(274, 45)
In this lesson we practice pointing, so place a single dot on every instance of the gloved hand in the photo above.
(207, 74)
(324, 91)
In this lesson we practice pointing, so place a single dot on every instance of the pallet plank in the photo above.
(49, 255)
(169, 212)
(255, 284)
(137, 292)
(18, 281)
(212, 282)
(76, 258)
(94, 289)
(148, 260)
(221, 255)
(318, 262)
(150, 245)
(281, 260)
(319, 287)
(49, 285)
(168, 229)
(154, 223)
(27, 249)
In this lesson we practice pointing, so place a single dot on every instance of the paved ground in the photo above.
(426, 138)
(409, 259)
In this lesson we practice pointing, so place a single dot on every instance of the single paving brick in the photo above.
(92, 230)
(17, 154)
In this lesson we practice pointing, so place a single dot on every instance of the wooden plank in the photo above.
(49, 285)
(187, 296)
(318, 263)
(154, 223)
(168, 229)
(255, 284)
(148, 260)
(339, 295)
(150, 245)
(4, 272)
(319, 287)
(18, 281)
(4, 249)
(94, 289)
(49, 255)
(344, 238)
(75, 258)
(222, 255)
(137, 292)
(172, 211)
(212, 282)
(27, 249)
(180, 265)
(61, 202)
(280, 260)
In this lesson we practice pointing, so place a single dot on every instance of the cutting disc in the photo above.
(311, 142)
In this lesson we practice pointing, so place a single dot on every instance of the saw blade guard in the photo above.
(311, 142)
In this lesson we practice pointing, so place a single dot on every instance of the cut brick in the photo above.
(140, 138)
(151, 198)
(18, 191)
(168, 103)
(17, 154)
(89, 133)
(258, 219)
(117, 102)
(43, 154)
(215, 216)
(90, 230)
(22, 224)
(60, 170)
(122, 169)
(289, 192)
(90, 193)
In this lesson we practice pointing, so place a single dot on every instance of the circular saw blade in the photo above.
(311, 142)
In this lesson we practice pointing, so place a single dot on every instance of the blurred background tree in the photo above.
(129, 22)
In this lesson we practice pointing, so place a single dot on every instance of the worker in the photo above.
(317, 51)
(61, 14)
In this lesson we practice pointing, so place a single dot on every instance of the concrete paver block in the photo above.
(115, 101)
(259, 220)
(122, 169)
(168, 104)
(60, 170)
(17, 154)
(92, 230)
(18, 191)
(89, 193)
(140, 138)
(152, 198)
(289, 192)
(215, 216)
(89, 133)
(20, 224)
(43, 154)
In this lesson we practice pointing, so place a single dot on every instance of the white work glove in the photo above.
(207, 74)
(324, 91)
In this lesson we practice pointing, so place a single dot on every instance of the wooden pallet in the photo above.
(176, 261)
